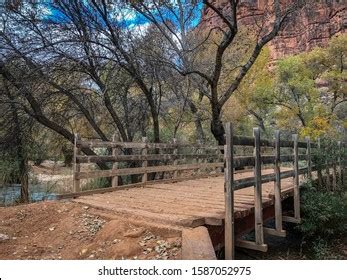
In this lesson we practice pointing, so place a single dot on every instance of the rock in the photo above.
(4, 237)
(149, 236)
(51, 228)
(92, 223)
(92, 256)
(134, 233)
(83, 252)
(310, 27)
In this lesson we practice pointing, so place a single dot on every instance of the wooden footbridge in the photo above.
(233, 188)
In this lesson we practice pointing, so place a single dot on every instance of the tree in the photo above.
(308, 91)
(14, 142)
(176, 33)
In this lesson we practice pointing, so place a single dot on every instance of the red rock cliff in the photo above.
(305, 29)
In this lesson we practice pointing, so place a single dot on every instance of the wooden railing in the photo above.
(232, 161)
(153, 162)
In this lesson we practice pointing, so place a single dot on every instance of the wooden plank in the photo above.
(296, 179)
(251, 245)
(175, 163)
(141, 145)
(165, 207)
(97, 191)
(197, 159)
(243, 161)
(181, 220)
(275, 232)
(197, 244)
(290, 219)
(145, 162)
(277, 185)
(76, 166)
(229, 194)
(248, 141)
(123, 187)
(115, 164)
(258, 212)
(149, 157)
(248, 182)
(238, 141)
(105, 144)
(141, 170)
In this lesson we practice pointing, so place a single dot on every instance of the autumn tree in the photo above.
(308, 92)
(177, 27)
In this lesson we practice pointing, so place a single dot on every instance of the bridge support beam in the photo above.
(229, 194)
(258, 204)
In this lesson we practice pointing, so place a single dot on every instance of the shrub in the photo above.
(324, 213)
(97, 183)
(9, 170)
(324, 216)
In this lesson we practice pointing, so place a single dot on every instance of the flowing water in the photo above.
(10, 194)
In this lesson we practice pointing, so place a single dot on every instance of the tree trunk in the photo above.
(217, 127)
(21, 156)
(156, 130)
(200, 135)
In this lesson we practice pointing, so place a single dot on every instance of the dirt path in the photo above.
(67, 230)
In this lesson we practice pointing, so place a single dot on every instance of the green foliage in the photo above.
(38, 153)
(324, 219)
(321, 249)
(9, 170)
(97, 183)
(296, 93)
(329, 152)
(305, 93)
(311, 89)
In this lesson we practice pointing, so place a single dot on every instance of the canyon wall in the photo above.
(304, 29)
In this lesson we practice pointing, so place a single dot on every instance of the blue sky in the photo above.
(130, 18)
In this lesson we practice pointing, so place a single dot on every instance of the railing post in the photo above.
(220, 157)
(198, 157)
(296, 178)
(309, 159)
(76, 165)
(115, 163)
(229, 194)
(277, 190)
(175, 162)
(319, 164)
(258, 212)
(145, 161)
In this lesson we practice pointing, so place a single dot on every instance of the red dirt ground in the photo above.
(67, 230)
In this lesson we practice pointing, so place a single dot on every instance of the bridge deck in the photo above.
(188, 203)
